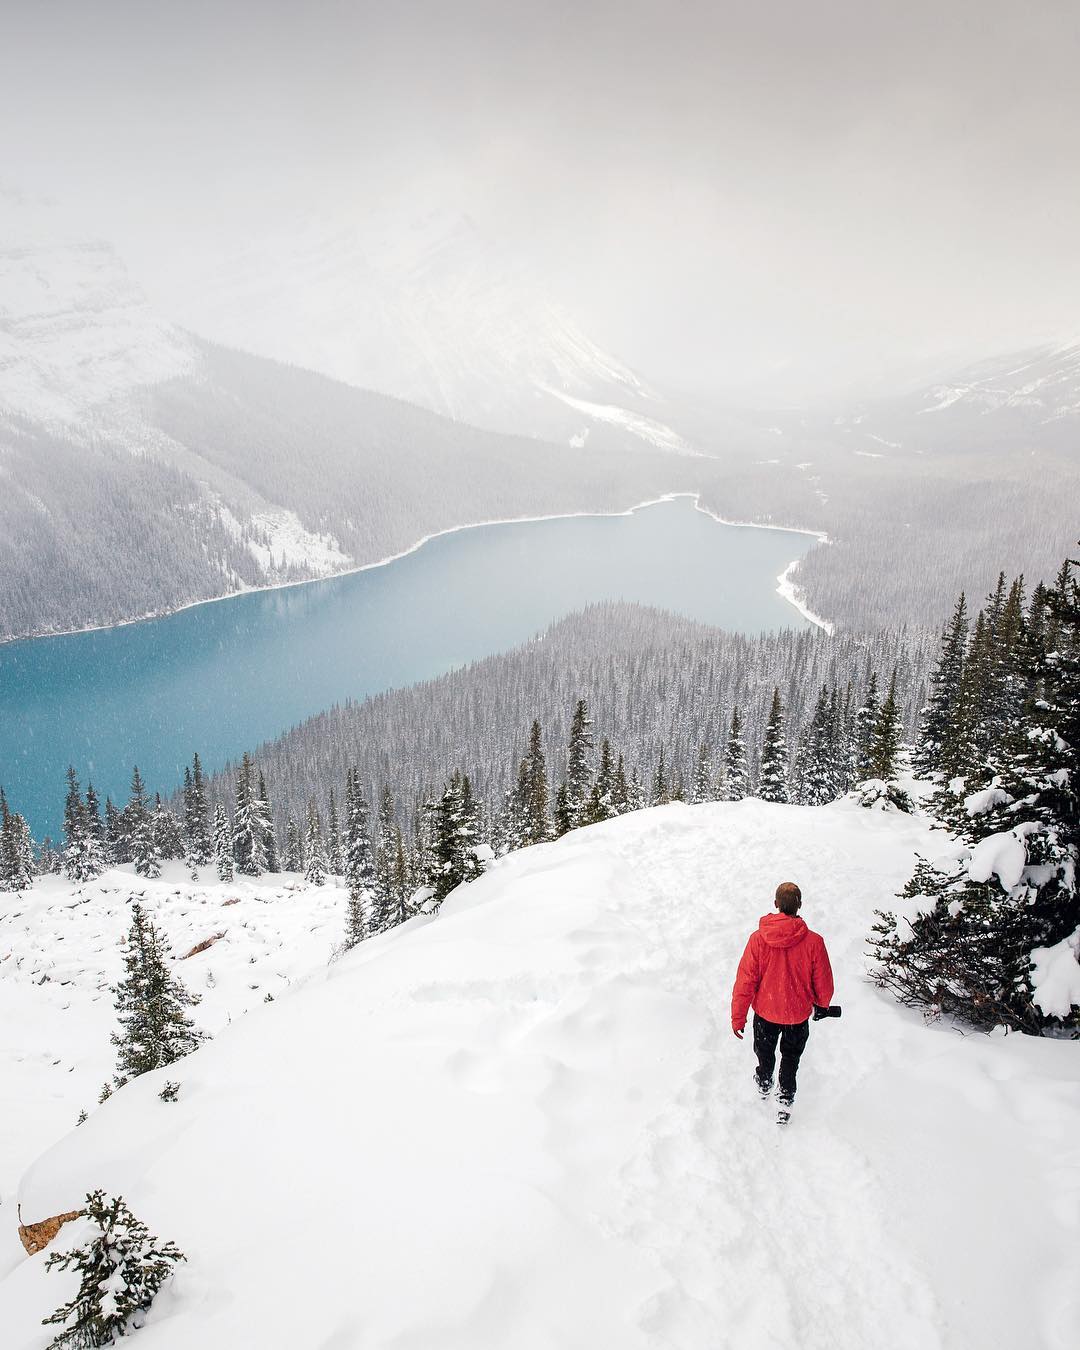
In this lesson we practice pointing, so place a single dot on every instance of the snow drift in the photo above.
(525, 1123)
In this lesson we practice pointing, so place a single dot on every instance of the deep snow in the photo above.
(526, 1123)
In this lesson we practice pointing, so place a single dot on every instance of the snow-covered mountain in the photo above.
(432, 311)
(1023, 400)
(525, 1122)
(1045, 381)
(75, 331)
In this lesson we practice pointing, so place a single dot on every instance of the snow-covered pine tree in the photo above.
(813, 778)
(839, 749)
(7, 853)
(95, 827)
(249, 824)
(16, 850)
(49, 863)
(773, 775)
(863, 738)
(600, 804)
(144, 853)
(82, 859)
(166, 829)
(475, 848)
(334, 857)
(562, 819)
(294, 847)
(537, 822)
(117, 844)
(885, 737)
(185, 797)
(155, 1029)
(736, 778)
(620, 789)
(661, 788)
(315, 859)
(455, 837)
(358, 860)
(266, 821)
(511, 829)
(400, 882)
(386, 829)
(356, 920)
(23, 851)
(704, 787)
(200, 844)
(223, 844)
(991, 928)
(579, 762)
(942, 710)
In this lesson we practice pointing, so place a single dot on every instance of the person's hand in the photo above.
(738, 1032)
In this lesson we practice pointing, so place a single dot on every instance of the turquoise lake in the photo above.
(223, 677)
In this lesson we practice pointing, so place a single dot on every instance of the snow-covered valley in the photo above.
(525, 1123)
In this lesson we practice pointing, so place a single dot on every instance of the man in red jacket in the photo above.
(784, 974)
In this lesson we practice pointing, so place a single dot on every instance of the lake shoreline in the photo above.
(784, 586)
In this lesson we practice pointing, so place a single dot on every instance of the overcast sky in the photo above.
(786, 196)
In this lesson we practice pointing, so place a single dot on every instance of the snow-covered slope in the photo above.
(75, 331)
(1045, 380)
(430, 310)
(1026, 400)
(526, 1124)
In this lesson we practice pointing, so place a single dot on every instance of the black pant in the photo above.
(792, 1043)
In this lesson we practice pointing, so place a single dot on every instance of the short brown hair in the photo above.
(788, 898)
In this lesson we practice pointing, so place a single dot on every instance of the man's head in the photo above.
(788, 898)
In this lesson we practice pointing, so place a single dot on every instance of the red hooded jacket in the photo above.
(784, 973)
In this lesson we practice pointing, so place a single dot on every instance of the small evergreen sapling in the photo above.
(122, 1268)
(155, 1029)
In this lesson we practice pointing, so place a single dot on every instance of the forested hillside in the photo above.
(651, 680)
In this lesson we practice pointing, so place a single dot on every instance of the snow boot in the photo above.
(783, 1110)
(763, 1085)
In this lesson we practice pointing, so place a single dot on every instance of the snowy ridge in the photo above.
(526, 1123)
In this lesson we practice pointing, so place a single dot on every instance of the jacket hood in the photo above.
(782, 930)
